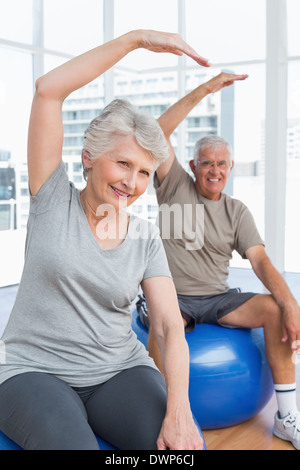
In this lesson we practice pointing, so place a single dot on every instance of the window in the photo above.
(292, 232)
(16, 20)
(293, 12)
(72, 26)
(231, 34)
(15, 103)
(227, 31)
(248, 141)
(292, 226)
(158, 15)
(151, 84)
(240, 109)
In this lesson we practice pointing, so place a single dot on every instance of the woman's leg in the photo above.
(40, 412)
(129, 409)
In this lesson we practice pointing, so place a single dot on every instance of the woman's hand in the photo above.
(179, 432)
(157, 41)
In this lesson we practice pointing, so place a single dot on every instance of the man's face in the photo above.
(212, 171)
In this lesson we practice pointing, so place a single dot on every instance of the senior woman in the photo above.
(73, 365)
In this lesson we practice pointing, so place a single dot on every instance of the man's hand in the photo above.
(277, 286)
(223, 80)
(291, 326)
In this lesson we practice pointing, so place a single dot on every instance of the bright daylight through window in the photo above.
(46, 33)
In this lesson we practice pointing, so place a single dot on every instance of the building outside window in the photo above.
(45, 34)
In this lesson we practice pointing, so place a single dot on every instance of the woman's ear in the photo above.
(86, 159)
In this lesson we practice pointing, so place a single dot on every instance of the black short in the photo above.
(211, 308)
(202, 308)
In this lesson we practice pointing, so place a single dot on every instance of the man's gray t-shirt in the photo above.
(200, 267)
(72, 315)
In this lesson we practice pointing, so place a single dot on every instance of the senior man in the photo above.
(200, 273)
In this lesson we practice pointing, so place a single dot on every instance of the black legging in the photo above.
(41, 412)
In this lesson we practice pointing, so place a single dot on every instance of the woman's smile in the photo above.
(120, 176)
(119, 193)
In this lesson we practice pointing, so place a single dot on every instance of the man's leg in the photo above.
(263, 311)
(259, 311)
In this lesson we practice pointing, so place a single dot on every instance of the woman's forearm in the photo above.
(175, 363)
(178, 430)
(62, 81)
(168, 328)
(81, 70)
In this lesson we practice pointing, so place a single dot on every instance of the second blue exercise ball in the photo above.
(230, 380)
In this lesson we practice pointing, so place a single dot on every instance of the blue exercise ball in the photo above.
(230, 380)
(8, 444)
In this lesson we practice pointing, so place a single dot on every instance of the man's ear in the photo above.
(232, 165)
(192, 166)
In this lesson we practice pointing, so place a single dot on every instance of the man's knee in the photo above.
(256, 312)
(272, 310)
(268, 305)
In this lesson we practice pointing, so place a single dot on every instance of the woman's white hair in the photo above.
(121, 118)
(213, 142)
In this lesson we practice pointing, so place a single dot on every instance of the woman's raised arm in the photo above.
(45, 137)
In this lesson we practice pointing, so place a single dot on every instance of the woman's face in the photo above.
(120, 176)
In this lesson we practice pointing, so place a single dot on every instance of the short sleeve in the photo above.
(157, 263)
(247, 234)
(176, 177)
(54, 191)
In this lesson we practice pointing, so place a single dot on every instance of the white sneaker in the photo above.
(288, 428)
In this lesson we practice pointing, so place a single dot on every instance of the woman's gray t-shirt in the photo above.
(72, 315)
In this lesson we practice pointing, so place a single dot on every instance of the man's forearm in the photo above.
(274, 282)
(178, 112)
(171, 119)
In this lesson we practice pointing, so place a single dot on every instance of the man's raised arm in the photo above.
(178, 112)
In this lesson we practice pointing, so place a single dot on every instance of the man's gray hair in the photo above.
(121, 119)
(212, 141)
